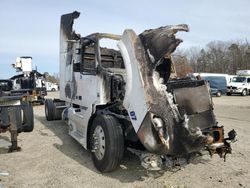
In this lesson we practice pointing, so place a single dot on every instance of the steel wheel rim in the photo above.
(99, 142)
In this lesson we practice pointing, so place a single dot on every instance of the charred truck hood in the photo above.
(170, 117)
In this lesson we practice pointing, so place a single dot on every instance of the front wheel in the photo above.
(107, 143)
(229, 94)
(49, 110)
(218, 94)
(244, 92)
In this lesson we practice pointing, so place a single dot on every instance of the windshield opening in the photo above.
(111, 57)
(239, 79)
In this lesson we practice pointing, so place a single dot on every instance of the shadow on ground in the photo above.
(130, 169)
(4, 144)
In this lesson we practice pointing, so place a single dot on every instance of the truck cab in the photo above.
(5, 85)
(239, 84)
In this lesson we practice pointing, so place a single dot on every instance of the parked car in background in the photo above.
(51, 86)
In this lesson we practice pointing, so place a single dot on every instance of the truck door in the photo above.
(85, 93)
(248, 84)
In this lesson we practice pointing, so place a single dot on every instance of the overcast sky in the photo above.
(31, 27)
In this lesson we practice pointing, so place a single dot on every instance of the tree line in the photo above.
(216, 57)
(52, 78)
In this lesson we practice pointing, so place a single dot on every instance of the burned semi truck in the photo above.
(116, 99)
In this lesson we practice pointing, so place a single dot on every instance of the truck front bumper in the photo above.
(236, 91)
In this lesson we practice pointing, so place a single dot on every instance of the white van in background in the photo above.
(51, 86)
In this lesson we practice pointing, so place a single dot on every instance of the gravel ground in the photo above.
(51, 158)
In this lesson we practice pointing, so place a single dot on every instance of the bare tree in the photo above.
(182, 66)
(219, 57)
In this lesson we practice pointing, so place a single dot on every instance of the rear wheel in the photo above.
(244, 92)
(229, 94)
(107, 144)
(49, 109)
(41, 100)
(28, 117)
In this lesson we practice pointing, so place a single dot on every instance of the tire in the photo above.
(53, 89)
(18, 114)
(16, 118)
(218, 94)
(28, 117)
(41, 100)
(58, 112)
(110, 143)
(229, 94)
(49, 109)
(244, 92)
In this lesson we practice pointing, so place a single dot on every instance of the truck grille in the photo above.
(230, 87)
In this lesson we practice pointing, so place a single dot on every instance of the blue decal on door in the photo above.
(132, 115)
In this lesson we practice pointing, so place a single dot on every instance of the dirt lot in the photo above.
(51, 158)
